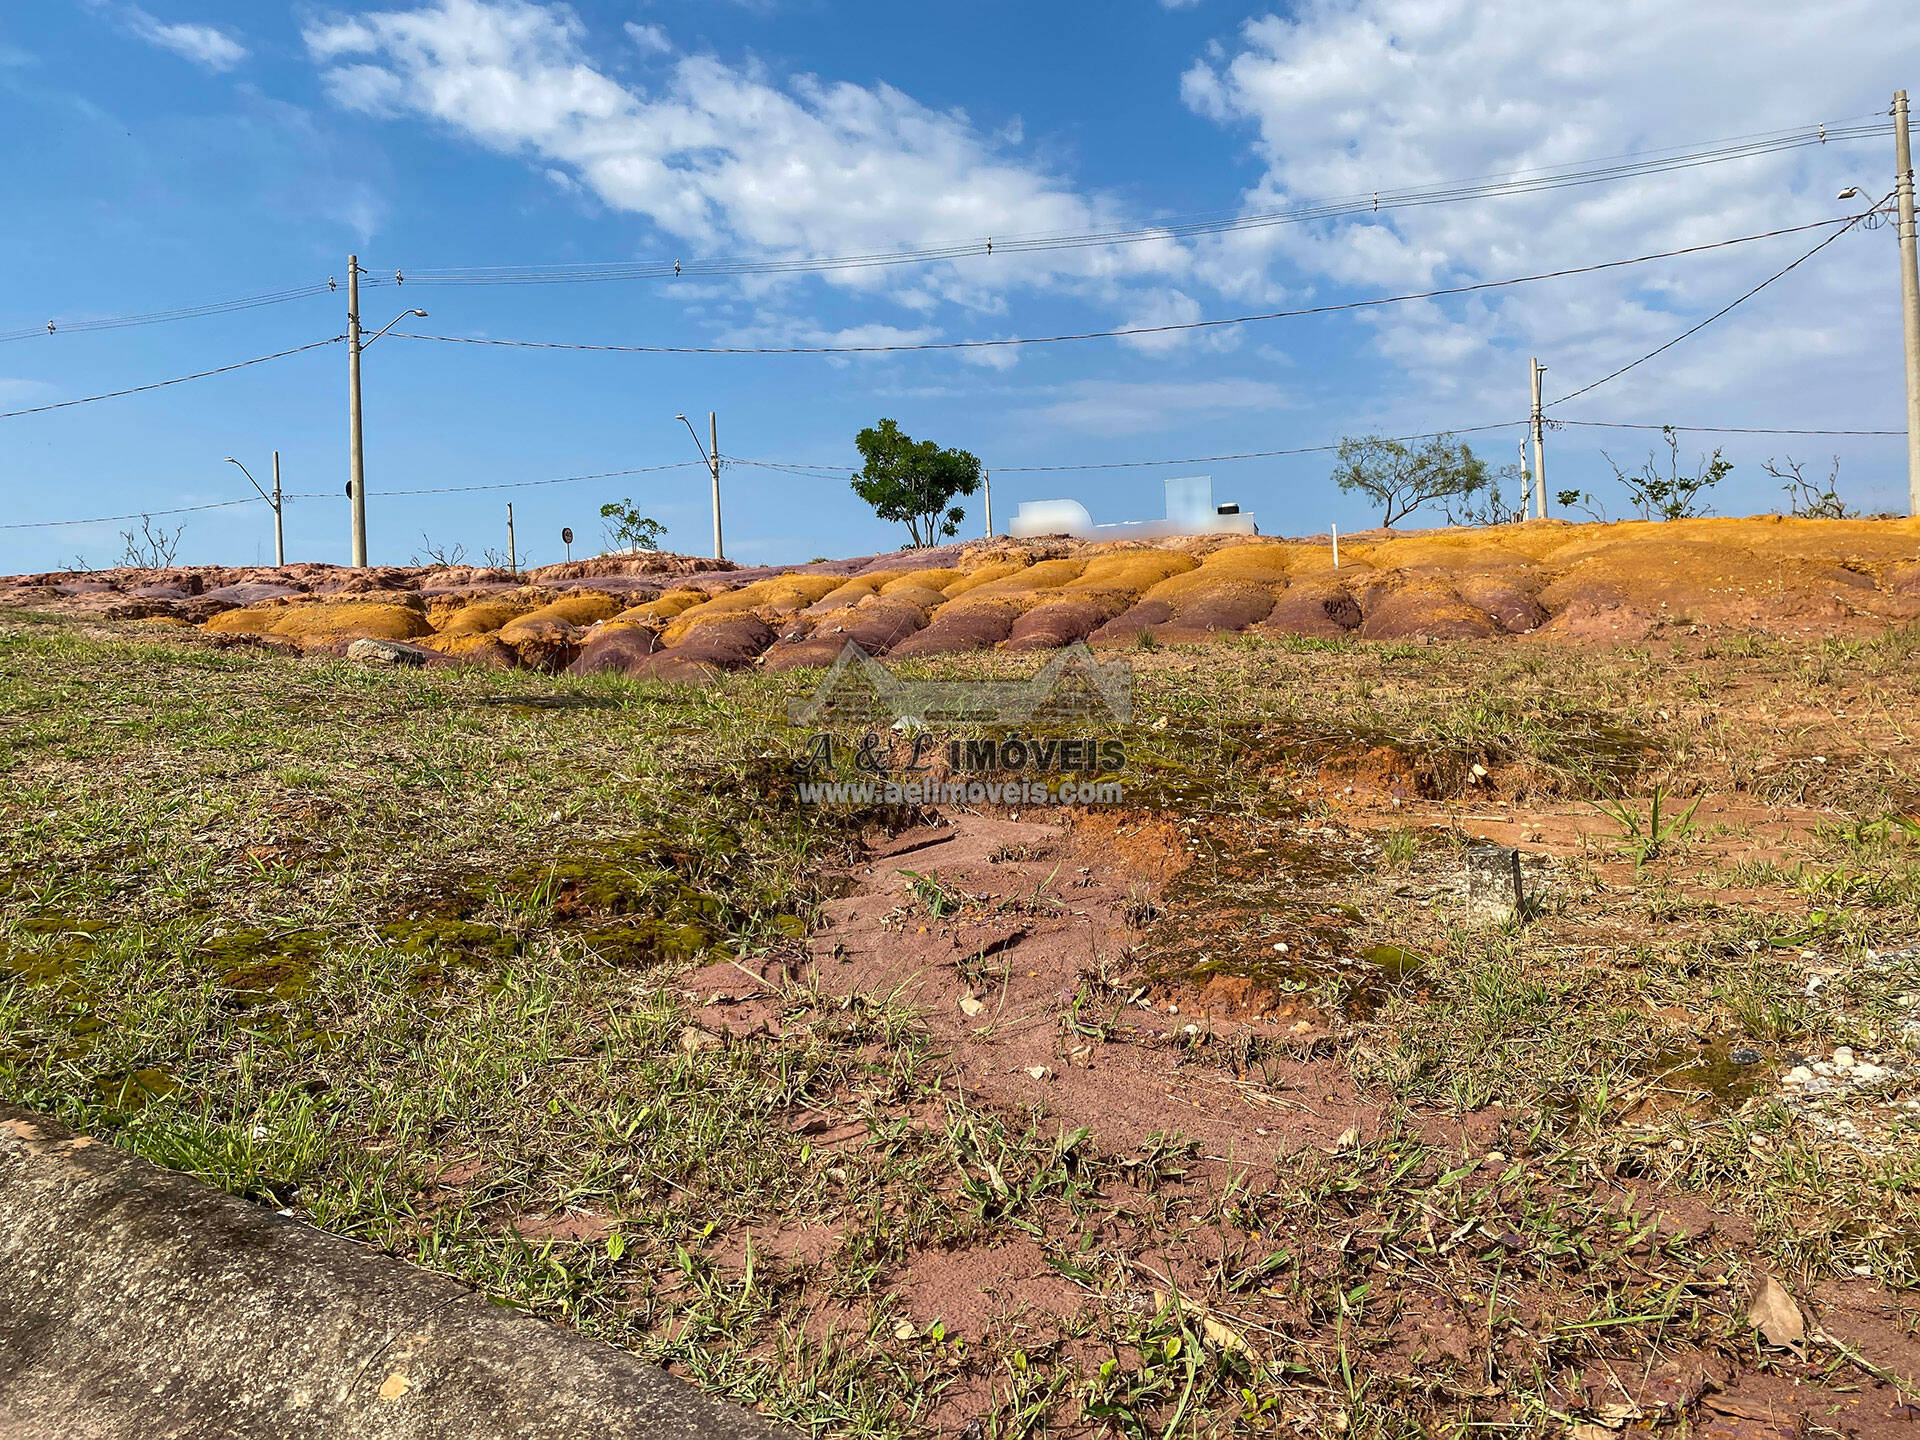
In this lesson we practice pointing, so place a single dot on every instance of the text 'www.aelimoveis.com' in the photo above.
(961, 792)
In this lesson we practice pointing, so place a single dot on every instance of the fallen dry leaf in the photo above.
(1778, 1319)
(1224, 1335)
(972, 1005)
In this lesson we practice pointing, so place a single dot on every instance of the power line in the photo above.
(1376, 201)
(137, 514)
(924, 345)
(177, 380)
(371, 494)
(803, 469)
(531, 484)
(1595, 170)
(161, 317)
(1718, 429)
(1696, 329)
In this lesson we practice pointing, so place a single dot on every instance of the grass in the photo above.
(404, 952)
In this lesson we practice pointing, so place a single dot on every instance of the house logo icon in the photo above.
(1071, 688)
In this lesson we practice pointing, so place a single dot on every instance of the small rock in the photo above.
(1744, 1057)
(1798, 1075)
(972, 1005)
(388, 652)
(1039, 1072)
(1843, 1058)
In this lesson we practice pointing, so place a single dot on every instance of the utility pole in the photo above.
(273, 503)
(279, 526)
(1909, 291)
(713, 459)
(356, 457)
(513, 556)
(987, 477)
(1539, 444)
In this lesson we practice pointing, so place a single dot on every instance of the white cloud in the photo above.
(205, 45)
(724, 157)
(1360, 95)
(1107, 407)
(651, 39)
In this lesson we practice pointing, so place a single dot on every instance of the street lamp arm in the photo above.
(696, 438)
(250, 480)
(416, 314)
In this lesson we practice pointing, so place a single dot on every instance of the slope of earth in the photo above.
(1215, 1108)
(675, 617)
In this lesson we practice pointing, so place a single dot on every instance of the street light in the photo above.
(416, 314)
(279, 531)
(713, 463)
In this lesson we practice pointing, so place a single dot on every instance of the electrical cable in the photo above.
(371, 495)
(162, 384)
(926, 345)
(1594, 170)
(136, 515)
(1696, 329)
(530, 484)
(804, 469)
(1446, 192)
(161, 317)
(1717, 429)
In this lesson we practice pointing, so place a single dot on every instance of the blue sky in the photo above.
(178, 151)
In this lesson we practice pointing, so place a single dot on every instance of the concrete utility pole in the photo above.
(513, 555)
(986, 477)
(1909, 291)
(713, 459)
(1539, 444)
(356, 456)
(710, 452)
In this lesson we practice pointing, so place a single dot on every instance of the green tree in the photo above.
(914, 482)
(625, 525)
(1401, 480)
(1672, 496)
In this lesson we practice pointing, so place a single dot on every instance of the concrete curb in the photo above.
(137, 1304)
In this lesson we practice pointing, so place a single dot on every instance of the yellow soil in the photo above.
(351, 620)
(1046, 575)
(984, 575)
(935, 579)
(254, 620)
(583, 607)
(1131, 571)
(481, 617)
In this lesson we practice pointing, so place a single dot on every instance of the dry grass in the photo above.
(400, 950)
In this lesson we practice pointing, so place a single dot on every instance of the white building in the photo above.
(1190, 511)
